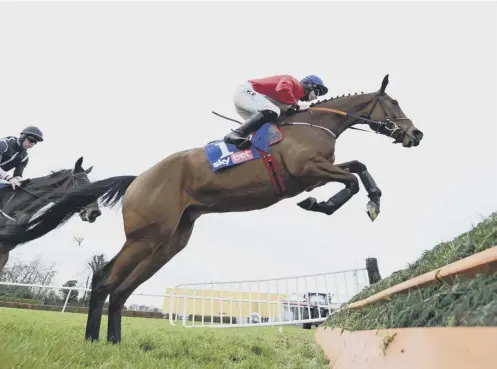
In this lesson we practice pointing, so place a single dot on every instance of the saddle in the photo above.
(221, 155)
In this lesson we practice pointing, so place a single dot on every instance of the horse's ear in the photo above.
(78, 164)
(89, 170)
(384, 84)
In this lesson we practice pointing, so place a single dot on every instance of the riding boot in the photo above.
(238, 137)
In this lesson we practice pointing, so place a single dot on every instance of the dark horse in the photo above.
(161, 205)
(17, 206)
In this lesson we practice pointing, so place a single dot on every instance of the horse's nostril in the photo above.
(418, 134)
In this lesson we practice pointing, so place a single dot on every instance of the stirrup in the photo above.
(241, 142)
(244, 145)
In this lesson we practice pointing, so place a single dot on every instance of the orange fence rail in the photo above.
(484, 262)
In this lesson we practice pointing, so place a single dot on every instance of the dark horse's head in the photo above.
(394, 122)
(79, 176)
(45, 203)
(38, 195)
(42, 191)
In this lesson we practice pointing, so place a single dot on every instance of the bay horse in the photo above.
(161, 205)
(17, 206)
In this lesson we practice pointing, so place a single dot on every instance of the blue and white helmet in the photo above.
(314, 82)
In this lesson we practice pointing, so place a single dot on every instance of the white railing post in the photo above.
(67, 299)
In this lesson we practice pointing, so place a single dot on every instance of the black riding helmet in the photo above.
(33, 132)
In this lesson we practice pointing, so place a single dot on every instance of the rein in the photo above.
(385, 124)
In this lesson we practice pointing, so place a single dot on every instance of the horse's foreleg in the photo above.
(322, 170)
(374, 193)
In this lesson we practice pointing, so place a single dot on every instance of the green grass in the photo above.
(461, 302)
(46, 340)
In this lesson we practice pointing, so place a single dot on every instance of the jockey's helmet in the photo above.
(314, 82)
(33, 132)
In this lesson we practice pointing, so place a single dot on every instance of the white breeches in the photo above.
(248, 101)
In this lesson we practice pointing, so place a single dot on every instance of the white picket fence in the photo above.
(305, 299)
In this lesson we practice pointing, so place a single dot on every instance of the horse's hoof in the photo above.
(308, 203)
(372, 209)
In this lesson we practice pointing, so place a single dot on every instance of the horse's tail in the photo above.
(109, 191)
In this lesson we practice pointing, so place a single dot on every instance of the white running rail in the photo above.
(263, 302)
(58, 289)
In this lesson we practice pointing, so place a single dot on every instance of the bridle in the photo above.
(386, 124)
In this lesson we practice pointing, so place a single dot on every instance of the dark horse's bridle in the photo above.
(73, 181)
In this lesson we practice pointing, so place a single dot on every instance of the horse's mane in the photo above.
(46, 182)
(339, 98)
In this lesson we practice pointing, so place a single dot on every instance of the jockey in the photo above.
(14, 155)
(260, 101)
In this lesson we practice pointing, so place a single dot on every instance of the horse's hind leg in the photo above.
(161, 254)
(109, 277)
(4, 257)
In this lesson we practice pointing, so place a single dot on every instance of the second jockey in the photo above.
(260, 101)
(14, 154)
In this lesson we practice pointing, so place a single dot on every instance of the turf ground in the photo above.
(49, 340)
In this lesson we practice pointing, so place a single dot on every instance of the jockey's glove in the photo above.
(302, 106)
(15, 182)
(294, 108)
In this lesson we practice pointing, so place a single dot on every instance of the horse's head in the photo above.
(91, 212)
(393, 121)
